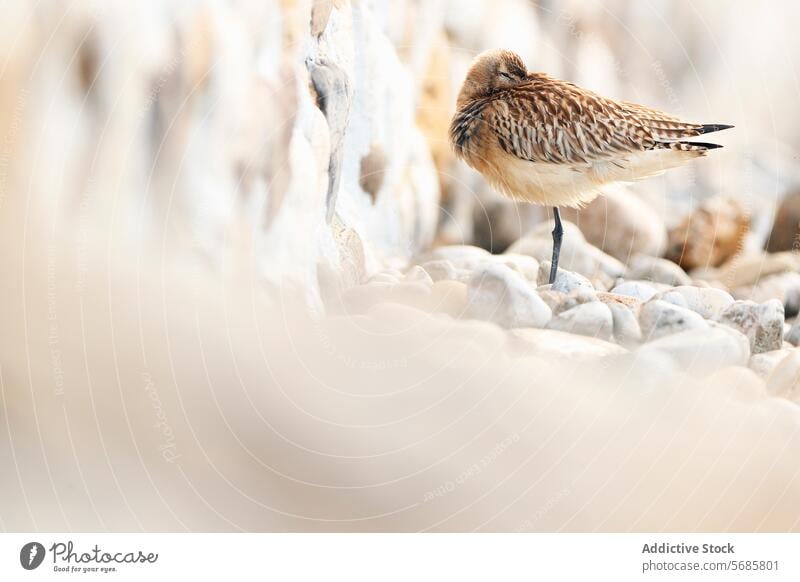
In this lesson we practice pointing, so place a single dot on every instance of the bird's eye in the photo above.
(505, 75)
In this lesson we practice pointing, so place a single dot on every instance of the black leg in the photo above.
(558, 233)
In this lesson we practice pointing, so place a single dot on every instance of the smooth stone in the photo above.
(761, 323)
(361, 298)
(659, 318)
(632, 303)
(499, 294)
(419, 274)
(708, 302)
(552, 298)
(626, 329)
(383, 278)
(621, 224)
(657, 270)
(636, 289)
(793, 335)
(577, 297)
(444, 270)
(763, 364)
(674, 298)
(786, 227)
(527, 266)
(749, 269)
(591, 319)
(551, 343)
(566, 281)
(702, 351)
(465, 256)
(740, 383)
(576, 254)
(784, 381)
(784, 287)
(710, 235)
(449, 297)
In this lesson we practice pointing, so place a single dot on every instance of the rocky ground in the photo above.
(739, 316)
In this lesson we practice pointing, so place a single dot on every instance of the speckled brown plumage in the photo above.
(551, 142)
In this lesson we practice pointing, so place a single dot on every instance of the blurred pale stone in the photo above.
(785, 232)
(626, 329)
(576, 254)
(701, 351)
(449, 297)
(621, 224)
(710, 235)
(523, 264)
(749, 269)
(362, 298)
(741, 383)
(442, 269)
(764, 363)
(551, 343)
(657, 270)
(784, 381)
(417, 273)
(785, 287)
(793, 335)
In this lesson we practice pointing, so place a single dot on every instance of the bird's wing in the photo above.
(553, 121)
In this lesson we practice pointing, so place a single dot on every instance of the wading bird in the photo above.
(550, 142)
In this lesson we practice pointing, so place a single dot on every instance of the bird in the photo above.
(550, 142)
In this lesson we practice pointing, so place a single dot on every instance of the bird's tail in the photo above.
(695, 146)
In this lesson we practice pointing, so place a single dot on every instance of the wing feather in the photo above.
(547, 120)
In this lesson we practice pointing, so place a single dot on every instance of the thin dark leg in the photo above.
(558, 233)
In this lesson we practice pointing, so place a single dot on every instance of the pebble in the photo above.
(419, 274)
(708, 302)
(763, 364)
(498, 293)
(551, 343)
(444, 270)
(626, 329)
(659, 318)
(577, 297)
(591, 319)
(740, 383)
(749, 269)
(702, 351)
(793, 335)
(566, 281)
(784, 381)
(449, 297)
(637, 289)
(657, 270)
(761, 323)
(621, 224)
(576, 254)
(784, 287)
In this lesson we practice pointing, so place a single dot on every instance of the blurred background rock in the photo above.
(201, 119)
(313, 133)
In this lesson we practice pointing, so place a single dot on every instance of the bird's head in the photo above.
(491, 71)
